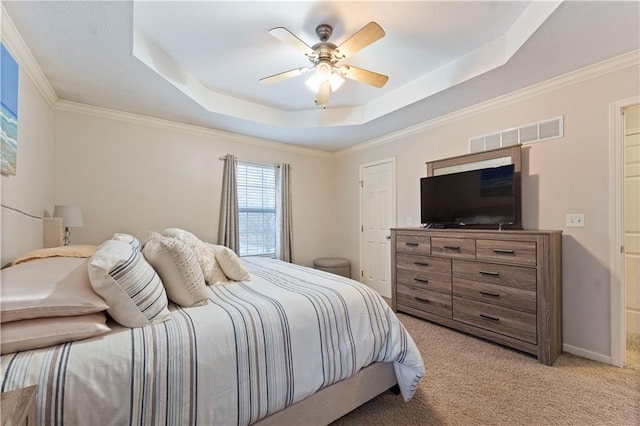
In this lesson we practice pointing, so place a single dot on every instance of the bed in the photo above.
(289, 345)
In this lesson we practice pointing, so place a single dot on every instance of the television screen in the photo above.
(476, 197)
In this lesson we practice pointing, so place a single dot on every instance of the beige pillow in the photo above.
(205, 256)
(178, 268)
(42, 332)
(130, 286)
(230, 263)
(62, 251)
(49, 287)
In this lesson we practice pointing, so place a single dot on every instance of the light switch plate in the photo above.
(575, 220)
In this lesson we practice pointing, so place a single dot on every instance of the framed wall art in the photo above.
(9, 114)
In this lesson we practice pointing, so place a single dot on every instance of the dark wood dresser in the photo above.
(503, 286)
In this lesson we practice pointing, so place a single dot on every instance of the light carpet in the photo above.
(470, 381)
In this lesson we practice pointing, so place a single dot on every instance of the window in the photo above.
(256, 184)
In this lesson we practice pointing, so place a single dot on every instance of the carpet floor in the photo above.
(470, 381)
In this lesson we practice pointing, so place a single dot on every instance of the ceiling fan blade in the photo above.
(284, 75)
(288, 37)
(367, 35)
(363, 76)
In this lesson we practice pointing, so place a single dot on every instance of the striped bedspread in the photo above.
(255, 348)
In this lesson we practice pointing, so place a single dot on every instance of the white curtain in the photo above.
(228, 234)
(284, 222)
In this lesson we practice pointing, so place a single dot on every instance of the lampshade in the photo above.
(71, 216)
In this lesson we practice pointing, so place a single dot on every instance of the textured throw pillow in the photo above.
(230, 263)
(127, 238)
(42, 332)
(205, 256)
(178, 268)
(51, 287)
(130, 286)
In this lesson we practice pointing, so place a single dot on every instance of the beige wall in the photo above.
(31, 189)
(560, 176)
(135, 177)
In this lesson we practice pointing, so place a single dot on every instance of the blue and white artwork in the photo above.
(9, 100)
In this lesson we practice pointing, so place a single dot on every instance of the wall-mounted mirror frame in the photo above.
(478, 160)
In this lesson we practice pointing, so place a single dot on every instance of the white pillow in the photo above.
(230, 263)
(130, 286)
(178, 268)
(205, 256)
(127, 238)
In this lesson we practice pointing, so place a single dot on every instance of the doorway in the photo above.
(625, 231)
(377, 217)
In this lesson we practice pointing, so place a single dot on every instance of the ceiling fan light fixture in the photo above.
(322, 97)
(335, 81)
(314, 82)
(328, 76)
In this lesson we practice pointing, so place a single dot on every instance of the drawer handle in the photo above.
(412, 244)
(493, 274)
(489, 293)
(452, 247)
(421, 280)
(504, 251)
(489, 317)
(421, 263)
(420, 299)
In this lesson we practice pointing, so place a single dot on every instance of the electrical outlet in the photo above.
(575, 220)
(409, 220)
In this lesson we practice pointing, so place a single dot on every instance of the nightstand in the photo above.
(18, 407)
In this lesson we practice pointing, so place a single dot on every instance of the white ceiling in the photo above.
(199, 62)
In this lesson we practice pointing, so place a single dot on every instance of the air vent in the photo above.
(529, 133)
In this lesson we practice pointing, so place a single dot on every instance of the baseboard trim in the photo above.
(574, 350)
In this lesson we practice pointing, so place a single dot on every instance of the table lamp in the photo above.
(71, 217)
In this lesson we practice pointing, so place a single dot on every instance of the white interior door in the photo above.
(378, 215)
(632, 217)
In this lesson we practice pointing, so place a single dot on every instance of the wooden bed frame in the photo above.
(333, 402)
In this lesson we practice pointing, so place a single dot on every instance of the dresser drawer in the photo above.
(424, 264)
(509, 322)
(424, 300)
(508, 297)
(413, 244)
(453, 247)
(429, 280)
(516, 252)
(491, 273)
(424, 271)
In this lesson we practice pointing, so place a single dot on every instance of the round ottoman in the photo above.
(335, 265)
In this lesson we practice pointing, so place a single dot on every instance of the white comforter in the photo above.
(254, 349)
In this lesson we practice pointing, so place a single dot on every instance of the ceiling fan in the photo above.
(324, 56)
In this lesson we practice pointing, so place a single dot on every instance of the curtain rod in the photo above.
(250, 162)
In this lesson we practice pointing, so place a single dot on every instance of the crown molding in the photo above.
(16, 45)
(102, 112)
(592, 71)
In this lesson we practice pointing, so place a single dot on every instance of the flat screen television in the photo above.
(483, 198)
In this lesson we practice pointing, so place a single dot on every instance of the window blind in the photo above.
(256, 185)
